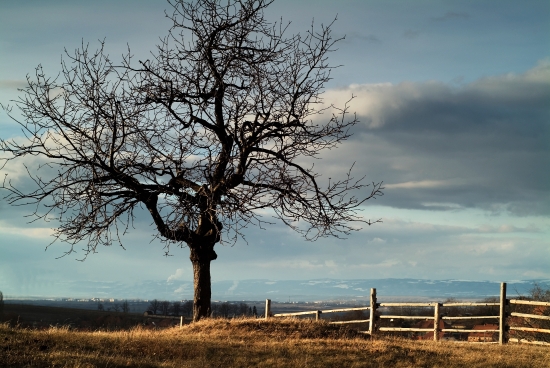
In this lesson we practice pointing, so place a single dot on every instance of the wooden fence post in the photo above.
(372, 324)
(181, 321)
(318, 315)
(437, 318)
(267, 308)
(502, 315)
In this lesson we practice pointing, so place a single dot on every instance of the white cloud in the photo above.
(419, 184)
(12, 84)
(233, 287)
(26, 231)
(178, 275)
(184, 289)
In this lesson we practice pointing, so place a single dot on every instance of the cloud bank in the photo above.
(482, 145)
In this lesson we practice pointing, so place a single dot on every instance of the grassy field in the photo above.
(40, 317)
(248, 343)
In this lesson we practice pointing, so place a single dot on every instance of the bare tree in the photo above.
(225, 119)
(154, 306)
(176, 308)
(125, 306)
(116, 307)
(187, 307)
(165, 307)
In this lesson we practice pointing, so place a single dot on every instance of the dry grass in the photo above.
(249, 343)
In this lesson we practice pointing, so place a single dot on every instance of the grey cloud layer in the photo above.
(484, 145)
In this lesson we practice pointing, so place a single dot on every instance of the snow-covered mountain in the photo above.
(331, 289)
(294, 290)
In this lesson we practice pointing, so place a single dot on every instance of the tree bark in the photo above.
(201, 256)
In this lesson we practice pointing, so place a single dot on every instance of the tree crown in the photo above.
(222, 121)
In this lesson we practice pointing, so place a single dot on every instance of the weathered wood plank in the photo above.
(470, 304)
(502, 315)
(464, 330)
(294, 314)
(529, 329)
(437, 316)
(344, 310)
(404, 317)
(159, 316)
(470, 317)
(402, 329)
(267, 308)
(349, 322)
(406, 304)
(372, 312)
(529, 302)
(535, 316)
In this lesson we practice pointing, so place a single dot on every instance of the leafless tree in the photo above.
(176, 308)
(223, 310)
(187, 307)
(225, 119)
(165, 307)
(154, 306)
(125, 306)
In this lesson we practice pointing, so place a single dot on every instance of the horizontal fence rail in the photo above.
(529, 302)
(470, 304)
(349, 322)
(345, 310)
(406, 304)
(478, 334)
(404, 317)
(530, 329)
(535, 316)
(295, 314)
(469, 317)
(404, 329)
(464, 330)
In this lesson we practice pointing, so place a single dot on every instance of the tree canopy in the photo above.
(223, 120)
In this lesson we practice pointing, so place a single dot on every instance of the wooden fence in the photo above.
(503, 327)
(180, 318)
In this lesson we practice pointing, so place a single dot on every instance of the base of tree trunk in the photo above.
(201, 260)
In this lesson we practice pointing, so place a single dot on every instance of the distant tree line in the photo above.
(223, 309)
(123, 307)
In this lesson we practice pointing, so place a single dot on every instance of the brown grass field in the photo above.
(248, 343)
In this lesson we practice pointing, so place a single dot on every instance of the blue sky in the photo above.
(454, 103)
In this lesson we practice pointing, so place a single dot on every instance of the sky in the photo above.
(453, 100)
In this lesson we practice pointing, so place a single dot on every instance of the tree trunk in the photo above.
(201, 256)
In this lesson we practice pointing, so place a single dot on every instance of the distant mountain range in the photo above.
(296, 290)
(331, 289)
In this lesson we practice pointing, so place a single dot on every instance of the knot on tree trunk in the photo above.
(200, 253)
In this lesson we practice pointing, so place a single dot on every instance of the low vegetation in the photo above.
(248, 342)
